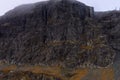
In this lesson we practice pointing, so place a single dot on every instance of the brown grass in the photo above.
(105, 73)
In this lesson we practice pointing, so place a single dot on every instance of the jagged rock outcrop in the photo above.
(61, 32)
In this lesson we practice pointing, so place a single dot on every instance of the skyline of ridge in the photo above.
(99, 5)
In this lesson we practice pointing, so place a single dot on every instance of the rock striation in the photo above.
(66, 33)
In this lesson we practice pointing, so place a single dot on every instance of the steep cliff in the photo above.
(54, 32)
(63, 33)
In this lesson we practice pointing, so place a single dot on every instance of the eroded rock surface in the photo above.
(63, 32)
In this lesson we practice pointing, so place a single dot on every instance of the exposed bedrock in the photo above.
(64, 33)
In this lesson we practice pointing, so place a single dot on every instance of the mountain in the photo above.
(64, 33)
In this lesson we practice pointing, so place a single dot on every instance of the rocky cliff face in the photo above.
(59, 40)
(63, 33)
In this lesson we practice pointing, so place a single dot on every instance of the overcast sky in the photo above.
(99, 5)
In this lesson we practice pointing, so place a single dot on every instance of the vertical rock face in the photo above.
(52, 33)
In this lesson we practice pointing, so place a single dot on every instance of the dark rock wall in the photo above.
(111, 26)
(56, 33)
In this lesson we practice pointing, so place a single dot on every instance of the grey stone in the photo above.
(62, 32)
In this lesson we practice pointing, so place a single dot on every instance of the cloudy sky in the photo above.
(99, 5)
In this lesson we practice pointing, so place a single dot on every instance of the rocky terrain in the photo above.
(59, 40)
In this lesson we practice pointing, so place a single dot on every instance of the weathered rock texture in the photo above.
(62, 32)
